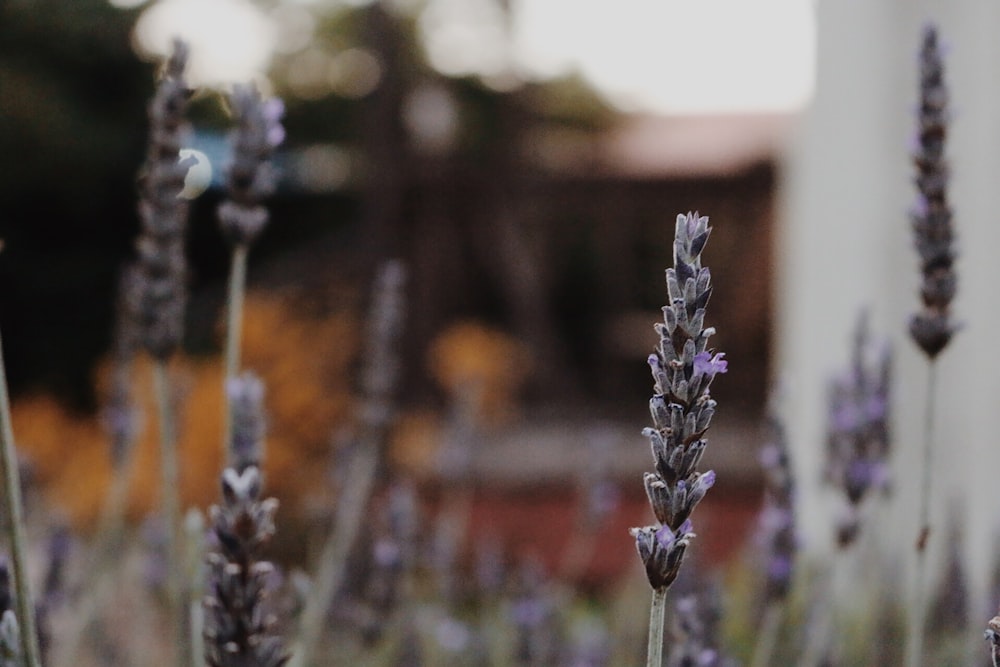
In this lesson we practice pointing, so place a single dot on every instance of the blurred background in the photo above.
(525, 159)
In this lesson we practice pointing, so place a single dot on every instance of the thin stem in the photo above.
(657, 616)
(171, 507)
(821, 622)
(768, 636)
(194, 534)
(14, 517)
(918, 611)
(196, 637)
(234, 327)
(333, 561)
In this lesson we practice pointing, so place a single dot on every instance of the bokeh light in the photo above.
(666, 56)
(199, 176)
(231, 40)
(675, 56)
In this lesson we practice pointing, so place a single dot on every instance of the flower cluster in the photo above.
(695, 633)
(246, 400)
(932, 327)
(778, 517)
(121, 416)
(251, 176)
(238, 630)
(160, 295)
(858, 428)
(683, 368)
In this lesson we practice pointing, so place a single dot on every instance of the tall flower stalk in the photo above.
(13, 517)
(378, 382)
(778, 529)
(857, 465)
(683, 367)
(858, 428)
(250, 179)
(238, 629)
(932, 327)
(160, 291)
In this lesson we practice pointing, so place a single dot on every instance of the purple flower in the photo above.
(666, 538)
(776, 531)
(160, 292)
(694, 632)
(780, 567)
(272, 111)
(250, 177)
(683, 367)
(858, 427)
(709, 364)
(529, 612)
(933, 229)
(245, 394)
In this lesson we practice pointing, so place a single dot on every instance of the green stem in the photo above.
(194, 532)
(14, 517)
(768, 635)
(234, 327)
(657, 616)
(171, 507)
(918, 610)
(823, 603)
(333, 562)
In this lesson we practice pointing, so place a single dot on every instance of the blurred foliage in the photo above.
(483, 366)
(308, 395)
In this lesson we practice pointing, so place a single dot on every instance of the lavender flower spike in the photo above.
(778, 517)
(932, 327)
(238, 630)
(160, 296)
(251, 176)
(858, 428)
(683, 368)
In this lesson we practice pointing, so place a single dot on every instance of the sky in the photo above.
(656, 56)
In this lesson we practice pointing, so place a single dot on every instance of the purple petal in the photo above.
(707, 364)
(665, 537)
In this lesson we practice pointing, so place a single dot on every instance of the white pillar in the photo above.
(845, 242)
(843, 232)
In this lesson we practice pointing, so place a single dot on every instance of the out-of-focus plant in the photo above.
(932, 327)
(779, 538)
(242, 216)
(858, 428)
(13, 515)
(378, 383)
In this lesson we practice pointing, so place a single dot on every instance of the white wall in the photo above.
(846, 242)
